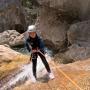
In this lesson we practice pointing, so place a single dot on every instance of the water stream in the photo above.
(25, 72)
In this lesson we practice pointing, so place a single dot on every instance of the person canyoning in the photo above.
(35, 45)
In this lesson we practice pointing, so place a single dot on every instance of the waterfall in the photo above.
(24, 74)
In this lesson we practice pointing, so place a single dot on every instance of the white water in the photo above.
(26, 72)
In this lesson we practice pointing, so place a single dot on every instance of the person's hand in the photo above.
(34, 51)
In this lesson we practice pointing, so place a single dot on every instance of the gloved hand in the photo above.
(34, 51)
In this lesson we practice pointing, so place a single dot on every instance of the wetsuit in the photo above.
(37, 43)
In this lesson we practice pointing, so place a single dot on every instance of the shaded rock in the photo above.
(52, 28)
(56, 15)
(76, 53)
(11, 15)
(79, 33)
(12, 38)
(75, 9)
(79, 38)
(62, 58)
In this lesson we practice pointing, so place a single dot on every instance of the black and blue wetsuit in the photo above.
(37, 43)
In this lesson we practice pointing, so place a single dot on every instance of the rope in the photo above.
(74, 83)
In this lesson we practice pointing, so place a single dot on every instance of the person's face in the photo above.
(32, 34)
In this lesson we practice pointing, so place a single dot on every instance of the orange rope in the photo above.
(74, 83)
(68, 77)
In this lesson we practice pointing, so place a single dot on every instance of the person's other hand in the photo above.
(34, 51)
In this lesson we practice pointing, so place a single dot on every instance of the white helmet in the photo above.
(31, 28)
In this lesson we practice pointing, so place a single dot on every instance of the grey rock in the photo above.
(51, 28)
(76, 52)
(12, 38)
(11, 15)
(79, 34)
(78, 8)
(79, 38)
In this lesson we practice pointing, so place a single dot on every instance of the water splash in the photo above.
(25, 74)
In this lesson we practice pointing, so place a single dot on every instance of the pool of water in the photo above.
(23, 50)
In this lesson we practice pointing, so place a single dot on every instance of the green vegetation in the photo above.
(29, 3)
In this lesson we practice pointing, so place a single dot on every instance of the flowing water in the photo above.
(25, 73)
